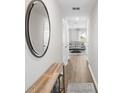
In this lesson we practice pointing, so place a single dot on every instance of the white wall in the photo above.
(93, 42)
(35, 67)
(73, 35)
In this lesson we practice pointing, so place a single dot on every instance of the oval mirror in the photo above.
(37, 28)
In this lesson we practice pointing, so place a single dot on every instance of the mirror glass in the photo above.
(38, 28)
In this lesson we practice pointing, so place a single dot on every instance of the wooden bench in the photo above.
(47, 81)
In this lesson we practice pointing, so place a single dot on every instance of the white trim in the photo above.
(94, 79)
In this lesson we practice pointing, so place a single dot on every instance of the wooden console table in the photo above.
(47, 82)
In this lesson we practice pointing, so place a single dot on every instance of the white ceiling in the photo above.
(85, 7)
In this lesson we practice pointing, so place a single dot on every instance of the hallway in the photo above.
(61, 46)
(76, 71)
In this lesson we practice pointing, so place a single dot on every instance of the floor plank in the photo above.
(81, 88)
(76, 71)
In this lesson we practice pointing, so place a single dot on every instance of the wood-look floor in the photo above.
(76, 71)
(81, 88)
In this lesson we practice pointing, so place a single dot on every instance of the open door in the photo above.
(65, 42)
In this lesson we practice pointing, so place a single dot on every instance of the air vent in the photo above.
(75, 8)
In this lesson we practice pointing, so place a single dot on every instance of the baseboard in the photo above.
(94, 79)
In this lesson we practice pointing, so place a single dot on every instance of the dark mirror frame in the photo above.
(27, 17)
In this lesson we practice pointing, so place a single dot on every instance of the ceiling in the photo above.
(86, 7)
